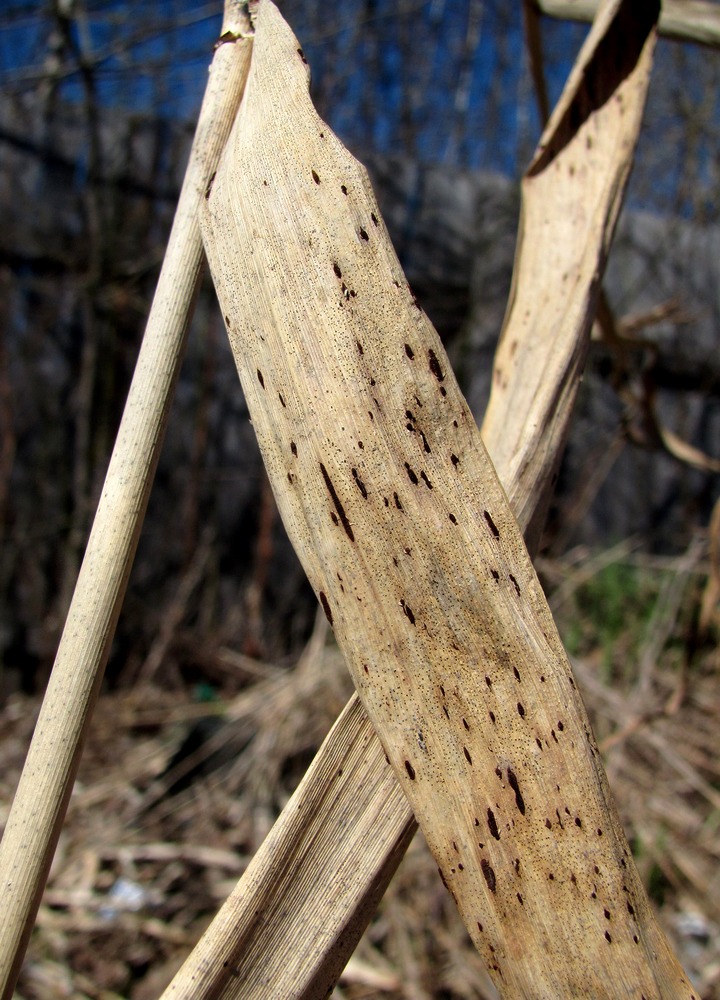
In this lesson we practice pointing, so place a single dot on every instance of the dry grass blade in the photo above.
(247, 959)
(408, 539)
(684, 20)
(571, 197)
(42, 796)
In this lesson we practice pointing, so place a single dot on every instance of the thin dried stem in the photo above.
(46, 783)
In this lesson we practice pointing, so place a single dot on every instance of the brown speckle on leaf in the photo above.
(326, 607)
(488, 874)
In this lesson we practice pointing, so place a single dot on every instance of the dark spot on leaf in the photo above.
(338, 506)
(396, 498)
(578, 821)
(517, 673)
(452, 518)
(409, 351)
(408, 612)
(261, 380)
(514, 784)
(374, 218)
(468, 758)
(360, 484)
(411, 774)
(492, 717)
(293, 448)
(520, 899)
(336, 269)
(515, 584)
(488, 681)
(548, 824)
(344, 189)
(326, 607)
(608, 938)
(363, 234)
(491, 524)
(435, 366)
(489, 874)
(208, 189)
(302, 56)
(465, 724)
(521, 710)
(315, 176)
(411, 475)
(282, 400)
(455, 460)
(425, 480)
(492, 824)
(360, 347)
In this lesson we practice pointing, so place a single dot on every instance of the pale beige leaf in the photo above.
(408, 539)
(270, 938)
(684, 20)
(571, 197)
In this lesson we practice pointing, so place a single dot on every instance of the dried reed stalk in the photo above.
(409, 541)
(46, 783)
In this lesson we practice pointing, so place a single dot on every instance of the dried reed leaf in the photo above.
(571, 197)
(408, 539)
(685, 20)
